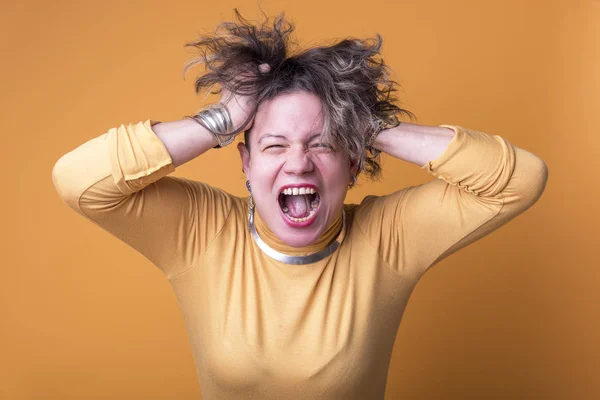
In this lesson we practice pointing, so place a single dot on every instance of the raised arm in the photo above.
(416, 144)
(118, 181)
(483, 182)
(186, 139)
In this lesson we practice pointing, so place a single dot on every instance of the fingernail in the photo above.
(264, 68)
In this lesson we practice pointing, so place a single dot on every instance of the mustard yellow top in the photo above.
(261, 329)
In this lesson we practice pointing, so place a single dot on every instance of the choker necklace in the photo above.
(286, 258)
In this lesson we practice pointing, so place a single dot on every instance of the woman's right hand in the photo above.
(241, 107)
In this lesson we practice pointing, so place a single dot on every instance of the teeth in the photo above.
(312, 213)
(314, 204)
(285, 209)
(296, 191)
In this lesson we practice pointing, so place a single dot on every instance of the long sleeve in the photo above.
(119, 181)
(483, 182)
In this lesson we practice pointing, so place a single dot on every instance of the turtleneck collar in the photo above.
(273, 241)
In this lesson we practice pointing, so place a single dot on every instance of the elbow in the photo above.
(57, 174)
(535, 173)
(539, 174)
(62, 179)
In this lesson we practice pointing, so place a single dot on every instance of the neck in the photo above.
(330, 234)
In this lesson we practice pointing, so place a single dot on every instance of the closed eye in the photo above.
(323, 145)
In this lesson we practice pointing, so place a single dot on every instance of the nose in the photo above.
(298, 162)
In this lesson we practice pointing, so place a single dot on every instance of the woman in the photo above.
(289, 293)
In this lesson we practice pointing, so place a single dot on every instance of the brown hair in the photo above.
(349, 77)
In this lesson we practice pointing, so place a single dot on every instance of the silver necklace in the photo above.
(286, 258)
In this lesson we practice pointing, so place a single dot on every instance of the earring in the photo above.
(251, 200)
(353, 183)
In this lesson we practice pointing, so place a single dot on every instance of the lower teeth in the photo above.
(310, 215)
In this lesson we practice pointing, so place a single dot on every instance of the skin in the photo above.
(286, 149)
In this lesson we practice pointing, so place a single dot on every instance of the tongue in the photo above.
(298, 206)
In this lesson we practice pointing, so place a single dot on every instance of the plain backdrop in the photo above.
(512, 316)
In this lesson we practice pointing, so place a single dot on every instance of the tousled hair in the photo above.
(349, 77)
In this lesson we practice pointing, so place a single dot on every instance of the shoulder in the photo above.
(201, 193)
(377, 204)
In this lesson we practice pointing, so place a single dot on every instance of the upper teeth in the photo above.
(296, 191)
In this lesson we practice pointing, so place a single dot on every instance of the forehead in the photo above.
(296, 115)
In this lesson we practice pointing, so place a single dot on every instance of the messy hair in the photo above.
(349, 77)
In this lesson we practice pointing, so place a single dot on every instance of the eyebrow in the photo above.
(270, 135)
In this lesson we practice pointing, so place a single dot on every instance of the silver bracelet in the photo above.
(216, 119)
(379, 125)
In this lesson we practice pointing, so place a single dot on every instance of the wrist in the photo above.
(380, 125)
(238, 117)
(216, 118)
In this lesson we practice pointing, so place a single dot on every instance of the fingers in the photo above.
(264, 68)
(240, 107)
(226, 95)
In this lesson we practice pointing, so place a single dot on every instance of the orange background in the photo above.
(514, 315)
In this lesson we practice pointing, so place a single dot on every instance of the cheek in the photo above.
(264, 170)
(337, 177)
(335, 168)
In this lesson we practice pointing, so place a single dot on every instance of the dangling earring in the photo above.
(251, 204)
(353, 183)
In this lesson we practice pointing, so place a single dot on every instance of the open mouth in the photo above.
(299, 204)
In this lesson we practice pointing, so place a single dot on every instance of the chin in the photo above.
(299, 232)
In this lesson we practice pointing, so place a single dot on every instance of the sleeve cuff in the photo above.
(478, 163)
(138, 156)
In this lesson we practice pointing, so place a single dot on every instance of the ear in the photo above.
(245, 156)
(353, 168)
